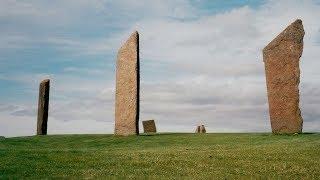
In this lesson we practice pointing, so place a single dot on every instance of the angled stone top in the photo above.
(293, 34)
(130, 44)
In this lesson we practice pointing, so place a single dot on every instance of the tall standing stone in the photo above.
(127, 88)
(149, 126)
(43, 107)
(281, 57)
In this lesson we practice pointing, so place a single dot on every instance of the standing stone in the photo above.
(201, 129)
(127, 88)
(198, 129)
(149, 126)
(43, 107)
(281, 57)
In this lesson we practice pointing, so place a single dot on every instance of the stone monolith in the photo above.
(43, 107)
(127, 88)
(281, 57)
(201, 129)
(149, 126)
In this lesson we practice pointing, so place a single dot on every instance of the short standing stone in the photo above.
(281, 57)
(127, 88)
(43, 107)
(198, 129)
(201, 129)
(149, 126)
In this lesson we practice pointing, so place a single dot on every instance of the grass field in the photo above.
(164, 156)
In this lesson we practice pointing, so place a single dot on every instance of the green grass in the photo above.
(164, 156)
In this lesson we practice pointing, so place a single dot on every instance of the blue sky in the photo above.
(200, 62)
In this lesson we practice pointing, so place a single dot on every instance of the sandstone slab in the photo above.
(149, 126)
(43, 107)
(127, 88)
(281, 57)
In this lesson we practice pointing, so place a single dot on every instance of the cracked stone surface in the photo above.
(43, 107)
(149, 126)
(127, 88)
(281, 57)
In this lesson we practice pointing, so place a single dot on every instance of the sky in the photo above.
(201, 62)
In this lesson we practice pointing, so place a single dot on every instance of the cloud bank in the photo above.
(196, 66)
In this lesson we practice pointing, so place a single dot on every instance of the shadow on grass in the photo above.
(154, 134)
(157, 134)
(310, 133)
(166, 134)
(294, 134)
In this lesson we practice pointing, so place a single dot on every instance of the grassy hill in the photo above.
(162, 156)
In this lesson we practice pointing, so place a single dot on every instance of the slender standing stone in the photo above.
(149, 126)
(127, 88)
(281, 57)
(43, 107)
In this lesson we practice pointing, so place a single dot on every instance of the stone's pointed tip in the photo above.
(298, 21)
(297, 24)
(134, 34)
(133, 39)
(293, 32)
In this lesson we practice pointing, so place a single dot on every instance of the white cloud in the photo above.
(55, 23)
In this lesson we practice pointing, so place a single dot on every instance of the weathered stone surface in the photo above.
(281, 57)
(201, 129)
(127, 88)
(149, 126)
(43, 107)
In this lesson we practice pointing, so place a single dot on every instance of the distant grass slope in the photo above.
(162, 156)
